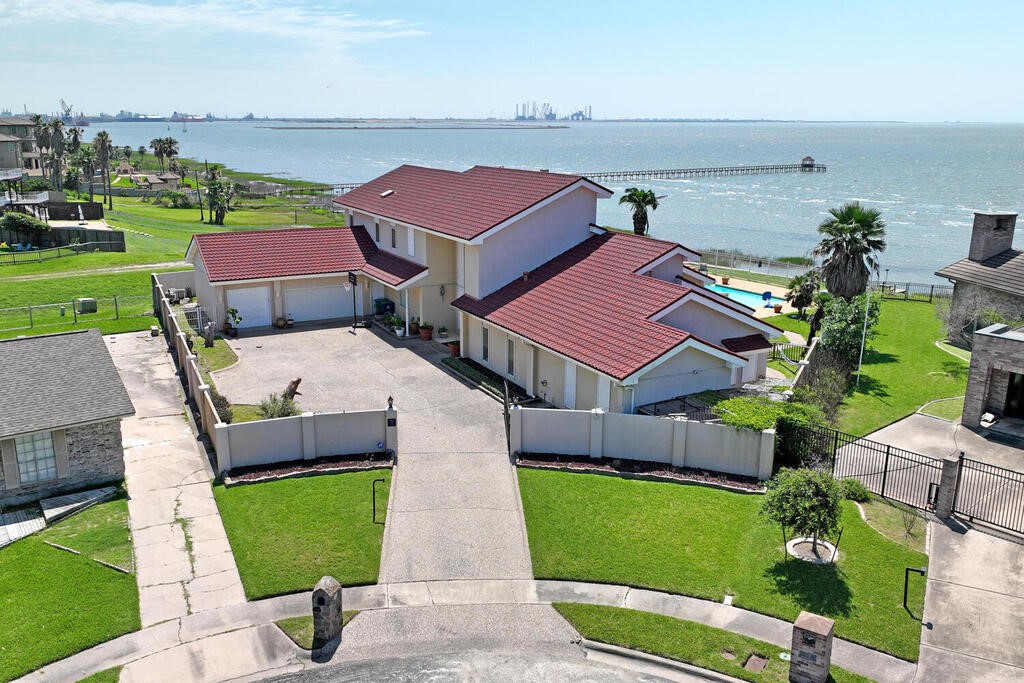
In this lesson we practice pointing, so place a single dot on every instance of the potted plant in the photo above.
(399, 326)
(189, 342)
(442, 331)
(426, 331)
(389, 322)
(454, 348)
(777, 308)
(414, 326)
(725, 279)
(231, 325)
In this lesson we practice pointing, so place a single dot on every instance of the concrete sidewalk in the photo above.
(183, 562)
(972, 613)
(418, 617)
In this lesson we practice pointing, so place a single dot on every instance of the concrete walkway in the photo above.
(183, 561)
(973, 606)
(417, 617)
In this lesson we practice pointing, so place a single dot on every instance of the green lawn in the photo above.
(777, 280)
(245, 412)
(947, 409)
(896, 521)
(54, 603)
(707, 543)
(288, 534)
(955, 350)
(106, 676)
(213, 359)
(300, 629)
(684, 641)
(903, 369)
(791, 323)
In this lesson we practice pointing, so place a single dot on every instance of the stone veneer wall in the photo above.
(95, 456)
(969, 299)
(993, 358)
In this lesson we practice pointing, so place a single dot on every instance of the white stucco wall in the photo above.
(706, 323)
(688, 372)
(533, 240)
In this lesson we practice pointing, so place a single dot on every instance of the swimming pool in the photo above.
(751, 299)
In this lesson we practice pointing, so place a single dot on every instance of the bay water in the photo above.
(925, 178)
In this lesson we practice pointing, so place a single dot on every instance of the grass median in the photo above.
(684, 641)
(289, 533)
(708, 543)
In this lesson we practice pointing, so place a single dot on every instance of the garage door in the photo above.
(253, 304)
(318, 303)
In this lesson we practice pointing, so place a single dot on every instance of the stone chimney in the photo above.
(992, 234)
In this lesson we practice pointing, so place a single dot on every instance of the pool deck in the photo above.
(757, 288)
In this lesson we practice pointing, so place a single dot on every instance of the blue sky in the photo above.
(916, 61)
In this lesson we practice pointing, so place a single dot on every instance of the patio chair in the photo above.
(18, 247)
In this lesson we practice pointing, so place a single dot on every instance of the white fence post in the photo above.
(308, 436)
(766, 458)
(596, 433)
(679, 428)
(515, 429)
(223, 448)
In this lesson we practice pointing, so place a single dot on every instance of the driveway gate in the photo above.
(990, 494)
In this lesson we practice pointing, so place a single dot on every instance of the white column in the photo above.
(604, 392)
(570, 385)
(308, 436)
(596, 433)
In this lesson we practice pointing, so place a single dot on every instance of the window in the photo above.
(36, 459)
(376, 232)
(394, 238)
(484, 338)
(511, 357)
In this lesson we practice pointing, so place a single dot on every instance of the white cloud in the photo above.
(319, 25)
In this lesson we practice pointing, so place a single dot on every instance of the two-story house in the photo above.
(510, 261)
(20, 131)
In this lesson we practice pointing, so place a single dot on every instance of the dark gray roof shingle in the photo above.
(58, 380)
(1004, 271)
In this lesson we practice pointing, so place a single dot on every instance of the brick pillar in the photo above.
(811, 648)
(947, 486)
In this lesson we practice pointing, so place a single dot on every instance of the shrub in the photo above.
(222, 406)
(854, 490)
(806, 501)
(842, 328)
(277, 405)
(756, 412)
(23, 225)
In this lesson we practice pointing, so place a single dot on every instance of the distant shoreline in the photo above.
(415, 127)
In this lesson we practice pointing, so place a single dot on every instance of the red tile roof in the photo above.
(261, 254)
(462, 205)
(752, 342)
(588, 304)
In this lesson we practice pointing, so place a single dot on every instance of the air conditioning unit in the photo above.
(86, 305)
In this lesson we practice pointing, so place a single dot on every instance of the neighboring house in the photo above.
(61, 426)
(995, 383)
(21, 129)
(991, 278)
(10, 153)
(125, 168)
(297, 273)
(157, 181)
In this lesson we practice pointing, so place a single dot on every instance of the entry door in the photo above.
(1015, 396)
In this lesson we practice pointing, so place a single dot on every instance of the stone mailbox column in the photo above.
(326, 610)
(812, 648)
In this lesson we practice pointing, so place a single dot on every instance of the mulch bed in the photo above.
(307, 468)
(638, 469)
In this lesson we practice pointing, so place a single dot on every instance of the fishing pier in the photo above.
(805, 166)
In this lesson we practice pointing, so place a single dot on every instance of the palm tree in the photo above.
(141, 151)
(85, 159)
(104, 152)
(56, 131)
(41, 132)
(640, 201)
(802, 290)
(170, 148)
(74, 139)
(853, 237)
(157, 145)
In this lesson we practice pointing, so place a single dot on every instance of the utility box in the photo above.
(87, 305)
(383, 306)
(812, 648)
(326, 610)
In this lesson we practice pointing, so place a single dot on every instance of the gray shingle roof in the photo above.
(58, 380)
(1004, 271)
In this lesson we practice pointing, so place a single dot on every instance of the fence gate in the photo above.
(990, 494)
(891, 472)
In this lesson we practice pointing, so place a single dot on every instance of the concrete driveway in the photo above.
(940, 438)
(454, 510)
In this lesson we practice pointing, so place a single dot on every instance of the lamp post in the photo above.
(352, 286)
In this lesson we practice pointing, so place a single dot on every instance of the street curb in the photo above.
(656, 661)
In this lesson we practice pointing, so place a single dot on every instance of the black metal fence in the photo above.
(990, 494)
(13, 258)
(912, 291)
(787, 352)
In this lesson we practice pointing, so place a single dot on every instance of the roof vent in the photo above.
(386, 193)
(544, 170)
(526, 276)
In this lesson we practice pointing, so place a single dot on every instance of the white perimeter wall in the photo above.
(304, 437)
(680, 443)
